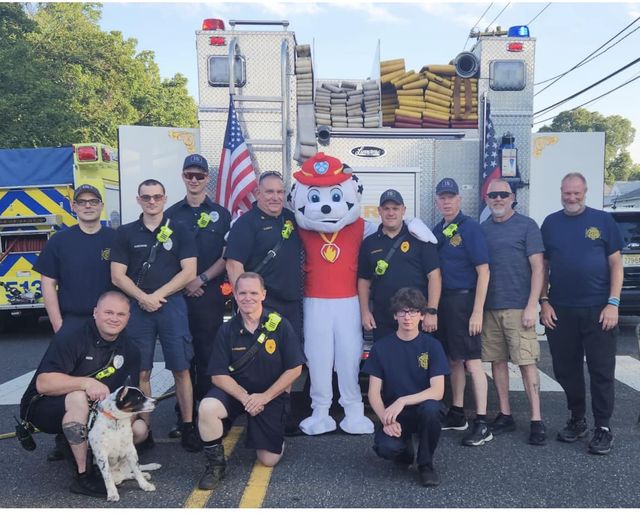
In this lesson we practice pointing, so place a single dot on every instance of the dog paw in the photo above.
(113, 497)
(148, 487)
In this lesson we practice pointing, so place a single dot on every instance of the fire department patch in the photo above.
(106, 254)
(118, 361)
(404, 247)
(592, 233)
(270, 346)
(423, 360)
(455, 240)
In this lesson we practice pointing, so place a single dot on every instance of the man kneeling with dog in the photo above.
(81, 367)
(256, 358)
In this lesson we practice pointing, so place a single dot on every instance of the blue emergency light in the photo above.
(518, 31)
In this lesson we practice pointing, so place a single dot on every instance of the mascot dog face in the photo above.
(326, 196)
(111, 440)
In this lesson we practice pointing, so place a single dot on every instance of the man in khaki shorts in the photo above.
(508, 333)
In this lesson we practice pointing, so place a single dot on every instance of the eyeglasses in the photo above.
(411, 312)
(190, 176)
(88, 202)
(495, 195)
(147, 198)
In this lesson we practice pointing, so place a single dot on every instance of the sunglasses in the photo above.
(147, 198)
(88, 202)
(495, 195)
(194, 175)
(268, 173)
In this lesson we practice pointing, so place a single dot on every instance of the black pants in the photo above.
(205, 318)
(424, 420)
(578, 333)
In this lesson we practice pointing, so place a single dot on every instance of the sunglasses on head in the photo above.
(147, 198)
(268, 173)
(194, 175)
(495, 195)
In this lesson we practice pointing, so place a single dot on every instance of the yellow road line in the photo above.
(257, 486)
(199, 497)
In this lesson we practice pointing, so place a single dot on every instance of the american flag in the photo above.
(236, 177)
(491, 162)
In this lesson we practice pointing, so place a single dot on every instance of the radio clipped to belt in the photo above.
(269, 326)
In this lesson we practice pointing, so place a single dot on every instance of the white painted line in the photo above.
(547, 384)
(11, 392)
(628, 371)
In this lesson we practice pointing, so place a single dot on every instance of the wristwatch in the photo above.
(431, 311)
(203, 277)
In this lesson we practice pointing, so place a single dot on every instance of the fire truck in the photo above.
(36, 191)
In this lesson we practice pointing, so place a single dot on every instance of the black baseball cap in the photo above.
(86, 189)
(195, 160)
(391, 195)
(447, 185)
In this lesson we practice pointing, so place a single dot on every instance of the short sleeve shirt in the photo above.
(281, 351)
(406, 367)
(253, 235)
(209, 234)
(461, 253)
(577, 249)
(511, 243)
(409, 266)
(132, 247)
(83, 352)
(79, 262)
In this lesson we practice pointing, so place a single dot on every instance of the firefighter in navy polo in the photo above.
(390, 259)
(256, 358)
(209, 222)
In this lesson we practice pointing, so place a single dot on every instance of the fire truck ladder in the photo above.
(281, 100)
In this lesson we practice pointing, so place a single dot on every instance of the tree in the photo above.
(619, 134)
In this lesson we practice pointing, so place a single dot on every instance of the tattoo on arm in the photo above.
(76, 433)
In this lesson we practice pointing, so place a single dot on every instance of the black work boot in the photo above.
(215, 468)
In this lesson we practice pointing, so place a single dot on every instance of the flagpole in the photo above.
(483, 143)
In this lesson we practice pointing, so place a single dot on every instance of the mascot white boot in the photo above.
(326, 202)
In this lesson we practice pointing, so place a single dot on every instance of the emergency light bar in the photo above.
(212, 24)
(87, 153)
(30, 221)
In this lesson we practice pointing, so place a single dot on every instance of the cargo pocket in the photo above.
(529, 349)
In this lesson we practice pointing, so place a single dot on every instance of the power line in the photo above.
(588, 87)
(476, 24)
(586, 59)
(543, 10)
(498, 15)
(593, 99)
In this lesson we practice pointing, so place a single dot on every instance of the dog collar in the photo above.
(109, 415)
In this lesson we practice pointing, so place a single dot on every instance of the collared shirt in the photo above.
(79, 262)
(210, 235)
(281, 351)
(461, 253)
(132, 247)
(82, 352)
(253, 235)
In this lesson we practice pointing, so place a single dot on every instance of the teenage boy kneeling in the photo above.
(407, 370)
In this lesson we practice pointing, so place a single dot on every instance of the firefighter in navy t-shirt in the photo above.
(406, 385)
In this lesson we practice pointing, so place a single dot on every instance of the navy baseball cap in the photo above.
(447, 185)
(86, 189)
(391, 195)
(195, 160)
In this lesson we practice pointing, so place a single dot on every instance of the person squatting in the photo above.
(436, 308)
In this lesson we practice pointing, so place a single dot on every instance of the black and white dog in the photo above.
(111, 440)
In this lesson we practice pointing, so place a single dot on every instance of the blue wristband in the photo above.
(615, 301)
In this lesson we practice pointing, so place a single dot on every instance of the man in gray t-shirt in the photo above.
(508, 332)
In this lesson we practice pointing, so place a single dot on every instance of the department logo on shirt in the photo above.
(455, 240)
(592, 233)
(105, 254)
(423, 360)
(270, 346)
(404, 247)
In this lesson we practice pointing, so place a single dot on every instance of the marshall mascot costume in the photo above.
(326, 202)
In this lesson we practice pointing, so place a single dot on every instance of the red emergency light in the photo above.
(106, 155)
(217, 41)
(515, 47)
(87, 153)
(212, 24)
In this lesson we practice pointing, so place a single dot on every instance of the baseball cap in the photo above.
(447, 185)
(195, 160)
(391, 195)
(86, 189)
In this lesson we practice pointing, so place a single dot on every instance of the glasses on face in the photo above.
(495, 195)
(190, 176)
(147, 198)
(411, 312)
(88, 202)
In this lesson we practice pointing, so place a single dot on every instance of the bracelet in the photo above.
(615, 301)
(543, 300)
(203, 277)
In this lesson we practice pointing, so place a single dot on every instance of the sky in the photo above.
(344, 37)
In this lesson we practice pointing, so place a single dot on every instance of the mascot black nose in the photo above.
(325, 209)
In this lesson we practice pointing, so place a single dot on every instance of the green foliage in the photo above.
(619, 134)
(78, 83)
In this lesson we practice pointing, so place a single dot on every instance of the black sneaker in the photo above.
(88, 485)
(428, 476)
(455, 421)
(478, 435)
(601, 442)
(502, 423)
(176, 430)
(537, 434)
(145, 445)
(190, 440)
(575, 429)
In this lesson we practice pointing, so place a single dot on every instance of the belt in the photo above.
(454, 291)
